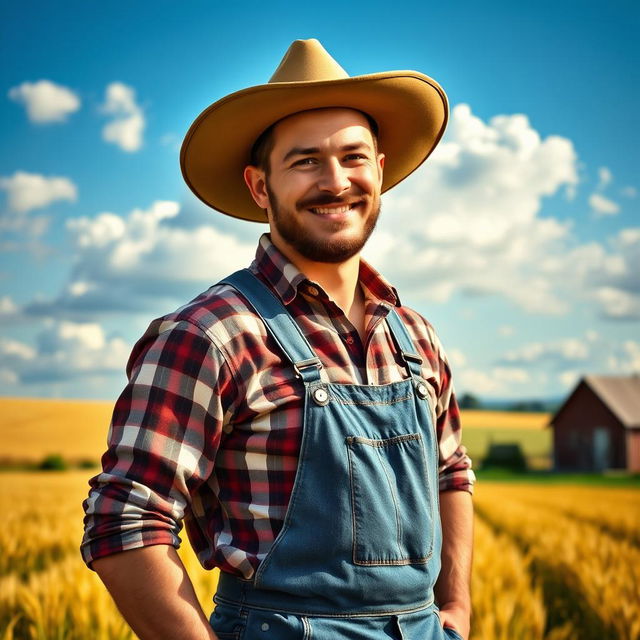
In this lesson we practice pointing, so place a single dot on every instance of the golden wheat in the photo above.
(506, 602)
(592, 579)
(539, 572)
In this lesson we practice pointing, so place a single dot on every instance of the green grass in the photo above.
(607, 479)
(535, 444)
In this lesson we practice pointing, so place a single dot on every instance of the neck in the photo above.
(339, 280)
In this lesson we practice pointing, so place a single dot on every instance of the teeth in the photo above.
(343, 209)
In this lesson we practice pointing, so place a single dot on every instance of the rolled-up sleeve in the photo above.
(162, 440)
(455, 472)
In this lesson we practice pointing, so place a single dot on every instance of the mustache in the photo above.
(325, 199)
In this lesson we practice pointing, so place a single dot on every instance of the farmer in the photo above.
(296, 416)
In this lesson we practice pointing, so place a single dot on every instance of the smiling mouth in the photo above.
(343, 208)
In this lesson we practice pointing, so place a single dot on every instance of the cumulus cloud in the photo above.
(467, 221)
(629, 192)
(599, 204)
(27, 191)
(611, 278)
(603, 206)
(493, 381)
(604, 177)
(127, 124)
(64, 351)
(556, 353)
(568, 359)
(140, 262)
(7, 306)
(45, 101)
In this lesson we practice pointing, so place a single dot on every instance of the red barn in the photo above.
(598, 426)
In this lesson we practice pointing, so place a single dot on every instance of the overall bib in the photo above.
(359, 551)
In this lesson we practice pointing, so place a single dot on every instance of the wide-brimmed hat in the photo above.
(410, 109)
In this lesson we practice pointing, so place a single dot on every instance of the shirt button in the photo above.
(312, 291)
(265, 626)
(349, 340)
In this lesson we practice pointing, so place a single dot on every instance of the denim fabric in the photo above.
(359, 551)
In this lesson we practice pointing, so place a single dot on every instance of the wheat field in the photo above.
(32, 428)
(554, 562)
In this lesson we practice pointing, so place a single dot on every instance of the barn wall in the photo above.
(574, 433)
(633, 450)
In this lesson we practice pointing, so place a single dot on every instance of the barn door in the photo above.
(601, 449)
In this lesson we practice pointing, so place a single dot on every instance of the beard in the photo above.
(319, 249)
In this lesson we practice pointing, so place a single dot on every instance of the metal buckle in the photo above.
(303, 364)
(414, 357)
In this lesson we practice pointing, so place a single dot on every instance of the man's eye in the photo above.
(355, 156)
(304, 161)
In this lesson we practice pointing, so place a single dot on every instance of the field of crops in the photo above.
(551, 562)
(80, 428)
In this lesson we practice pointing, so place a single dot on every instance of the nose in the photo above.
(334, 178)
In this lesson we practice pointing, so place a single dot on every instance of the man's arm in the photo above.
(452, 589)
(154, 594)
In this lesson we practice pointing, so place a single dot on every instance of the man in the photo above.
(296, 416)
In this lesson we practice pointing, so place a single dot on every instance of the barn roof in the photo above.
(621, 394)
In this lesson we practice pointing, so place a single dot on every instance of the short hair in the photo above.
(263, 146)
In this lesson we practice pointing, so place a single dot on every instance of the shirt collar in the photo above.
(285, 278)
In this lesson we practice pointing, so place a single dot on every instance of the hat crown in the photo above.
(307, 61)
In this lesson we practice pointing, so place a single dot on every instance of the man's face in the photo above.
(323, 186)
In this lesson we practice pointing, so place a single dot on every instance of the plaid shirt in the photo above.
(208, 428)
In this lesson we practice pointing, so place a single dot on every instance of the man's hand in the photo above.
(154, 594)
(452, 587)
(456, 617)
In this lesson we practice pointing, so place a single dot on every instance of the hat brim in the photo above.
(410, 108)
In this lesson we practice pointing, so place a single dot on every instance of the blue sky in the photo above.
(520, 237)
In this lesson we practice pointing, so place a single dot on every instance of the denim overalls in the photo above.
(359, 551)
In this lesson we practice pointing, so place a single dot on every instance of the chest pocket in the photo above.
(392, 507)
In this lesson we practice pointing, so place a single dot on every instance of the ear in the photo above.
(257, 185)
(380, 160)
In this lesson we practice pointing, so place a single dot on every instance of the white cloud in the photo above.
(617, 304)
(17, 350)
(456, 358)
(567, 360)
(610, 279)
(603, 206)
(7, 306)
(467, 221)
(568, 379)
(556, 353)
(506, 330)
(64, 351)
(630, 360)
(629, 192)
(492, 381)
(141, 261)
(604, 177)
(127, 126)
(45, 101)
(27, 191)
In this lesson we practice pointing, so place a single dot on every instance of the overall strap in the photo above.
(404, 343)
(279, 323)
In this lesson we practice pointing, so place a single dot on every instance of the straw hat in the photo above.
(410, 109)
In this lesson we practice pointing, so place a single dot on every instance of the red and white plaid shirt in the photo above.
(208, 429)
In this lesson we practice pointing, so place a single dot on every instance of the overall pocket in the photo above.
(392, 507)
(227, 621)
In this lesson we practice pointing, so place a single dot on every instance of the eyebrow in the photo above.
(308, 151)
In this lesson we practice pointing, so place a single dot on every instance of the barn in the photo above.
(598, 425)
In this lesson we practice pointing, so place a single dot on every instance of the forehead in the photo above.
(311, 128)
